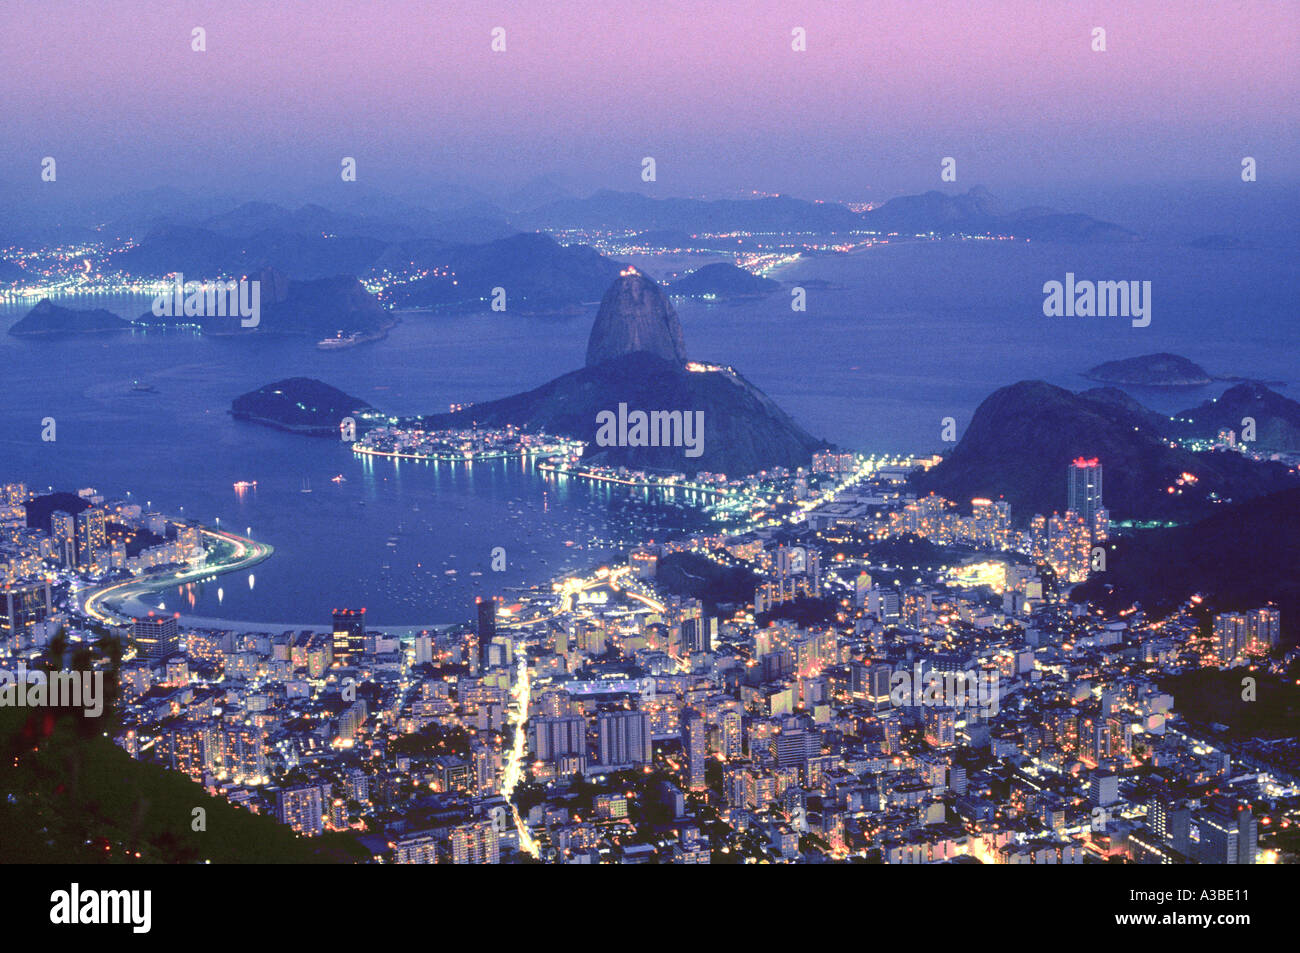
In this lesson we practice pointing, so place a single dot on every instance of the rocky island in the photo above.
(48, 318)
(299, 405)
(1151, 370)
(722, 280)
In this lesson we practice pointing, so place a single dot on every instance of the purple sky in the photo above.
(712, 90)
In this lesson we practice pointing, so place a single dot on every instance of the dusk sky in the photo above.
(713, 91)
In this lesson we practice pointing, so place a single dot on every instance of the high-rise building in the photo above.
(301, 809)
(349, 634)
(351, 719)
(244, 753)
(891, 725)
(156, 636)
(733, 735)
(884, 604)
(796, 572)
(555, 737)
(861, 587)
(92, 534)
(624, 737)
(1084, 491)
(1171, 820)
(792, 747)
(485, 629)
(695, 746)
(940, 727)
(1231, 635)
(418, 848)
(484, 764)
(990, 523)
(1224, 836)
(63, 530)
(696, 635)
(22, 607)
(475, 843)
(1263, 629)
(191, 747)
(1103, 789)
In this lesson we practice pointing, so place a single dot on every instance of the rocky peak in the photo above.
(635, 315)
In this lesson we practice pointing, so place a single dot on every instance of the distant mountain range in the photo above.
(207, 254)
(467, 251)
(631, 210)
(318, 308)
(48, 318)
(979, 212)
(974, 212)
(1022, 438)
(537, 273)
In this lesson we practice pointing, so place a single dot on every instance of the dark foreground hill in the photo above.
(1242, 557)
(1158, 423)
(1022, 438)
(75, 797)
(1277, 418)
(744, 431)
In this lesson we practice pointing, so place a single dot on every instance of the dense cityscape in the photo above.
(945, 703)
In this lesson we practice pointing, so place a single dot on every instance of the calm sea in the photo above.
(895, 338)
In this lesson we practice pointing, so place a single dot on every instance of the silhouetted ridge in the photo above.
(1022, 438)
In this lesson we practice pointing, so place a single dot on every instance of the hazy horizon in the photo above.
(717, 96)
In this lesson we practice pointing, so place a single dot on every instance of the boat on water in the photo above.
(306, 485)
(339, 340)
(140, 387)
(339, 479)
(245, 484)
